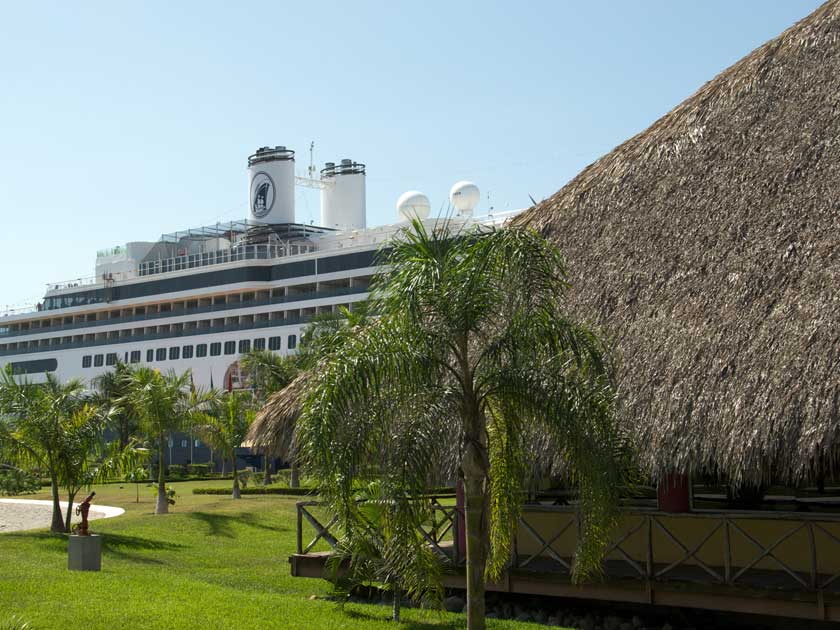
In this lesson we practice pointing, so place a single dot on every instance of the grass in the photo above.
(212, 563)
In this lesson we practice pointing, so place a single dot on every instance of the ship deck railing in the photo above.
(175, 264)
(772, 563)
(221, 257)
(172, 334)
(197, 310)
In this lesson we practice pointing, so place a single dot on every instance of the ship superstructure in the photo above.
(199, 299)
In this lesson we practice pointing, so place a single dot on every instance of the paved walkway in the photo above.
(21, 514)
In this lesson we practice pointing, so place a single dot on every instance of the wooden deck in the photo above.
(782, 564)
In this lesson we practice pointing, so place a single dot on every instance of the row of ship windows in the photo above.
(200, 350)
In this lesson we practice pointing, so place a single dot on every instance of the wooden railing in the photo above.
(765, 550)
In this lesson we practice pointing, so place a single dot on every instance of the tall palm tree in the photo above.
(273, 429)
(469, 360)
(269, 372)
(164, 404)
(35, 427)
(225, 426)
(110, 387)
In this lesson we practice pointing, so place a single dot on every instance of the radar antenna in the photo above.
(311, 170)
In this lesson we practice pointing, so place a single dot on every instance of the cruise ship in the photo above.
(200, 298)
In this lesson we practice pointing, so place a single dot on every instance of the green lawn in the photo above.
(212, 563)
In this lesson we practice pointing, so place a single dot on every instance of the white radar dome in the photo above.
(464, 197)
(413, 205)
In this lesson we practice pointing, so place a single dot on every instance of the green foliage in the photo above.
(246, 476)
(268, 371)
(199, 470)
(52, 427)
(259, 490)
(110, 391)
(14, 481)
(225, 426)
(14, 623)
(176, 471)
(137, 475)
(163, 404)
(326, 332)
(373, 546)
(470, 368)
(214, 563)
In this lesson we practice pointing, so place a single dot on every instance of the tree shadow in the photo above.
(217, 524)
(53, 540)
(115, 545)
(407, 624)
(222, 524)
(121, 546)
(114, 542)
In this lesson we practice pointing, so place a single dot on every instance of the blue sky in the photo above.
(121, 121)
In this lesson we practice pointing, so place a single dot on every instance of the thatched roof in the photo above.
(708, 247)
(273, 428)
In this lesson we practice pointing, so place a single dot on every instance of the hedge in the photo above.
(296, 492)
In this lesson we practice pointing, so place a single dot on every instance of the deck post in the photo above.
(515, 555)
(299, 529)
(649, 559)
(813, 547)
(727, 556)
(456, 538)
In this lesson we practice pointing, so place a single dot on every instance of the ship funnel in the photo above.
(343, 195)
(271, 179)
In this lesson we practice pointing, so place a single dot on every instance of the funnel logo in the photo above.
(262, 194)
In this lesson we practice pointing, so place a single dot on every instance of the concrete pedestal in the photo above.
(84, 553)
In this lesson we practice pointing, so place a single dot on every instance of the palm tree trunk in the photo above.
(236, 493)
(294, 475)
(395, 613)
(476, 554)
(162, 505)
(70, 497)
(57, 525)
(267, 476)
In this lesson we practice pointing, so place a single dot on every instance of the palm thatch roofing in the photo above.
(708, 248)
(272, 431)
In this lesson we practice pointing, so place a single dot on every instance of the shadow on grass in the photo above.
(223, 524)
(117, 545)
(111, 542)
(406, 624)
(122, 547)
(53, 540)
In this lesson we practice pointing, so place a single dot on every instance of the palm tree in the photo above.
(470, 360)
(326, 331)
(164, 403)
(273, 429)
(269, 373)
(225, 427)
(36, 428)
(110, 387)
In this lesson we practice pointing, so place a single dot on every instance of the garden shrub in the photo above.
(296, 492)
(199, 470)
(245, 477)
(14, 481)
